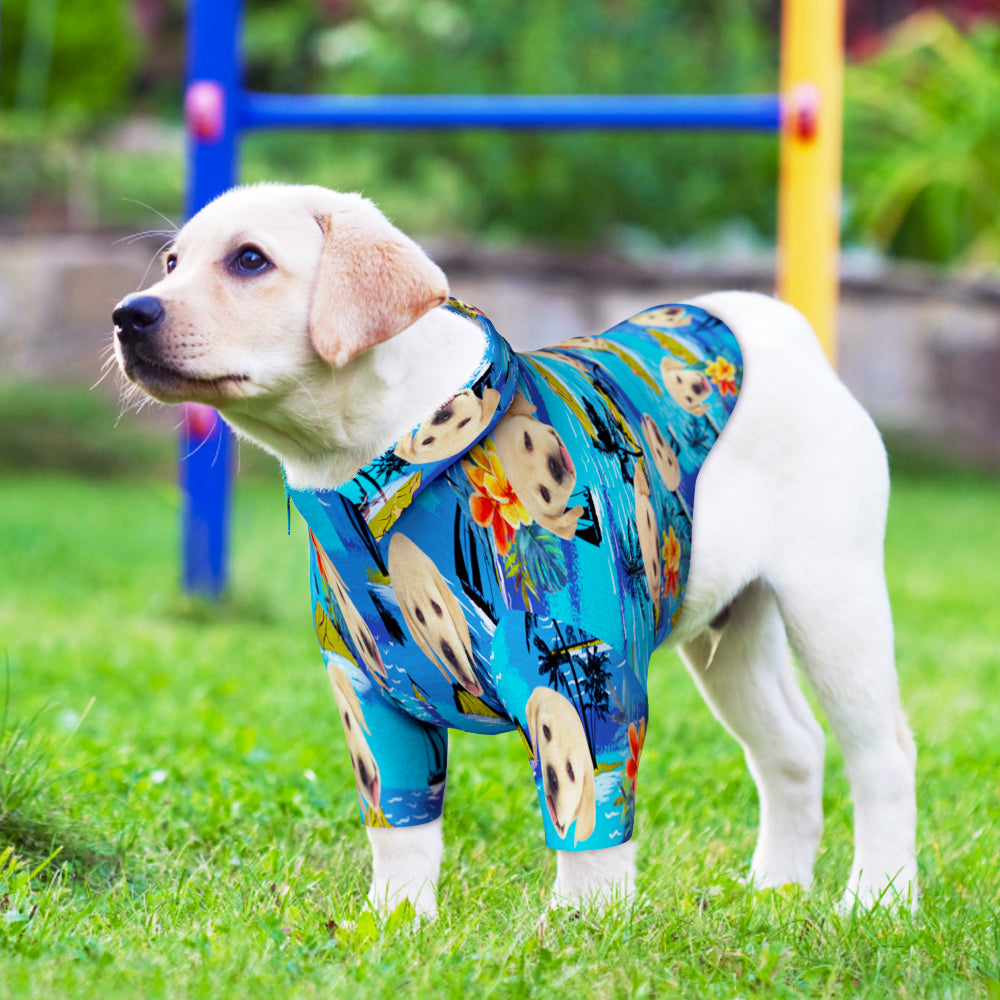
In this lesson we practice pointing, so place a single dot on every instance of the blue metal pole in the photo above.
(755, 112)
(206, 444)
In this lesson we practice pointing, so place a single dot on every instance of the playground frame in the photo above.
(806, 114)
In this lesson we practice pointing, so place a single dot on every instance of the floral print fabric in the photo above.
(513, 562)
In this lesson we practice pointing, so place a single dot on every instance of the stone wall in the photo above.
(919, 349)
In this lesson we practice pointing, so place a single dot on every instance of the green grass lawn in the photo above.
(189, 763)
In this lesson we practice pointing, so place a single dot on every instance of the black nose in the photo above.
(137, 316)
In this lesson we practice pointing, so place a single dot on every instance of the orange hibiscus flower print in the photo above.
(494, 504)
(671, 558)
(636, 738)
(723, 374)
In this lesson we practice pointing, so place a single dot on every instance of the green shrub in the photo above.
(78, 59)
(922, 156)
(572, 187)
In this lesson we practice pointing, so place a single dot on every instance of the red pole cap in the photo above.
(205, 110)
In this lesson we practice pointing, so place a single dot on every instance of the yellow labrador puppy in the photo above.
(314, 326)
(431, 612)
(538, 466)
(645, 522)
(366, 774)
(564, 761)
(452, 429)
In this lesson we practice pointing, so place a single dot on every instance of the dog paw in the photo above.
(887, 894)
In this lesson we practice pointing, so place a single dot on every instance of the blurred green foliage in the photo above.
(552, 187)
(923, 157)
(568, 188)
(921, 149)
(80, 59)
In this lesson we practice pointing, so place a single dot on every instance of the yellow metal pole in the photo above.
(812, 64)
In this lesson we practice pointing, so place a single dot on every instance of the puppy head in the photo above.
(538, 467)
(432, 612)
(567, 770)
(452, 429)
(663, 455)
(366, 773)
(664, 317)
(690, 389)
(645, 522)
(265, 285)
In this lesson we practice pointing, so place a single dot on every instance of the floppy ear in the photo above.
(563, 525)
(457, 616)
(490, 402)
(669, 364)
(520, 406)
(531, 717)
(586, 811)
(639, 481)
(343, 687)
(404, 448)
(405, 573)
(372, 283)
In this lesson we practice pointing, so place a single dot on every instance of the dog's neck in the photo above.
(332, 423)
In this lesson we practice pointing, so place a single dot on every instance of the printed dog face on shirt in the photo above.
(538, 467)
(432, 612)
(687, 387)
(452, 429)
(359, 632)
(663, 455)
(663, 316)
(567, 770)
(645, 522)
(366, 773)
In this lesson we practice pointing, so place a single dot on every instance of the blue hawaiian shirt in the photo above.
(512, 563)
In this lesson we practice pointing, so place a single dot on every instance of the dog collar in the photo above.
(387, 485)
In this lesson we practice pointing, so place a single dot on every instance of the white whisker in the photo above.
(145, 234)
(153, 260)
(174, 228)
(312, 399)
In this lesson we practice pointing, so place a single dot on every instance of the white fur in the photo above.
(788, 532)
(406, 862)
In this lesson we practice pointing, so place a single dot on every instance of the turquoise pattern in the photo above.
(512, 563)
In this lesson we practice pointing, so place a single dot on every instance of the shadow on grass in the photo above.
(33, 819)
(35, 839)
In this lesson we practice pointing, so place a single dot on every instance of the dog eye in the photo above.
(527, 442)
(569, 771)
(249, 260)
(543, 492)
(171, 262)
(547, 733)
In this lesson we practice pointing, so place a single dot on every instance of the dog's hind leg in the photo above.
(744, 671)
(839, 623)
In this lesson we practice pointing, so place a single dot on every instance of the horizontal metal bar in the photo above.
(754, 112)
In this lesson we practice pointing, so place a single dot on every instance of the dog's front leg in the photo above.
(595, 878)
(406, 862)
